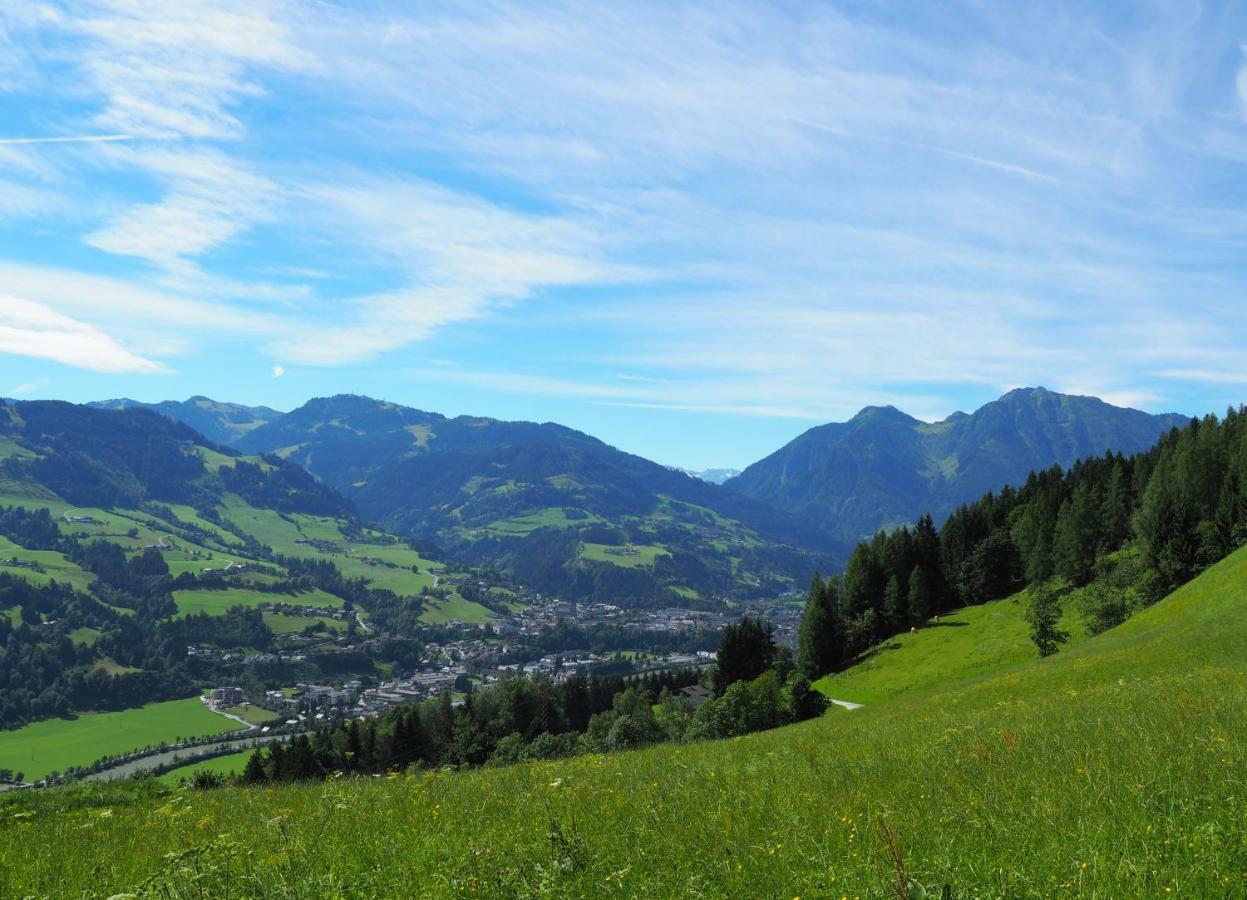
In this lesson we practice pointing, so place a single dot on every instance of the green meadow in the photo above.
(230, 764)
(1113, 769)
(976, 640)
(53, 566)
(216, 603)
(355, 560)
(630, 556)
(54, 745)
(454, 607)
(282, 623)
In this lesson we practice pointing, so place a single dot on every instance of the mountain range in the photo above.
(884, 467)
(566, 512)
(221, 423)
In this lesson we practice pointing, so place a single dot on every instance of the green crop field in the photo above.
(216, 603)
(977, 640)
(230, 764)
(630, 557)
(56, 744)
(440, 612)
(1113, 769)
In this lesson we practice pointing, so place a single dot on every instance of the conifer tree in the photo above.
(1075, 539)
(919, 598)
(819, 642)
(895, 605)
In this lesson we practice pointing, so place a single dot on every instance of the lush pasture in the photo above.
(56, 744)
(440, 612)
(970, 642)
(1114, 769)
(284, 534)
(256, 715)
(632, 556)
(54, 565)
(216, 603)
(230, 764)
(550, 517)
(86, 636)
(281, 623)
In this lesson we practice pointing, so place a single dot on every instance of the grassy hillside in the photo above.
(1112, 769)
(534, 500)
(967, 643)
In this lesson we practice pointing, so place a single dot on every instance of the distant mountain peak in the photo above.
(885, 467)
(887, 413)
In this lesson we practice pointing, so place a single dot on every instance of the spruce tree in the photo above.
(895, 606)
(919, 599)
(819, 641)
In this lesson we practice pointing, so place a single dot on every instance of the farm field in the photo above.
(551, 517)
(966, 643)
(284, 534)
(256, 715)
(281, 623)
(440, 612)
(630, 557)
(56, 744)
(230, 764)
(1112, 769)
(54, 565)
(216, 603)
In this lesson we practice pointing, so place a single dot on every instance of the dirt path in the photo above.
(847, 704)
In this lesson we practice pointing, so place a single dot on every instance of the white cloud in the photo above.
(33, 329)
(461, 255)
(181, 67)
(1241, 84)
(29, 387)
(72, 139)
(210, 201)
(279, 371)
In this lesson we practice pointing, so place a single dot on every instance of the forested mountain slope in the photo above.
(562, 510)
(885, 468)
(127, 538)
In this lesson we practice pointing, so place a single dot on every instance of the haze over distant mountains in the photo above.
(482, 487)
(222, 423)
(884, 467)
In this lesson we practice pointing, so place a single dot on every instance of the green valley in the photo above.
(1111, 768)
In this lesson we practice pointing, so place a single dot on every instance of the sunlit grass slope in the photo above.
(1115, 769)
(967, 643)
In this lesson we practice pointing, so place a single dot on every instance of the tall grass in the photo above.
(1115, 769)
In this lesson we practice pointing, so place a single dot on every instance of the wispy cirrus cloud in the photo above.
(459, 255)
(65, 139)
(766, 210)
(36, 330)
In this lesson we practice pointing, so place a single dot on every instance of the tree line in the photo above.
(1127, 529)
(753, 686)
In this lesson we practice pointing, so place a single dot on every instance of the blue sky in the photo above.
(693, 230)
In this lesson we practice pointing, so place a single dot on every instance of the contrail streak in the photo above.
(83, 139)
